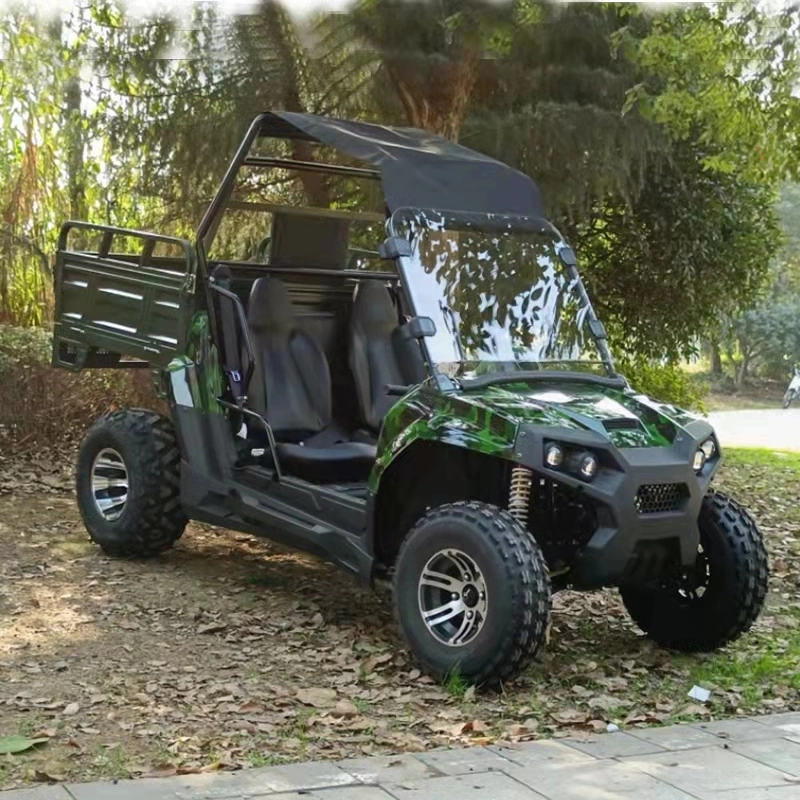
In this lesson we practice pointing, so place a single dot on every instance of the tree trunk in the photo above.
(76, 175)
(716, 358)
(436, 99)
(742, 372)
(315, 185)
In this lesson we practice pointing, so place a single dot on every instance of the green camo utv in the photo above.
(378, 350)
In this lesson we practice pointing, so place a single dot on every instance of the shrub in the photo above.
(665, 382)
(42, 406)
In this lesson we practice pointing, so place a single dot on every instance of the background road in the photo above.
(776, 429)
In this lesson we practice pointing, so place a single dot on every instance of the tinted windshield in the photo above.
(497, 292)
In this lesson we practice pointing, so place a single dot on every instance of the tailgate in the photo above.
(121, 309)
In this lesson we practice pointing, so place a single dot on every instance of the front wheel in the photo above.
(472, 593)
(788, 398)
(722, 598)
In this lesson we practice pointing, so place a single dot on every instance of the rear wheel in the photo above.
(725, 594)
(128, 483)
(788, 398)
(472, 593)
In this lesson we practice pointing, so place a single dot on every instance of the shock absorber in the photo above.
(519, 495)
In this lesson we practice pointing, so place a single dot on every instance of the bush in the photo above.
(667, 383)
(43, 406)
(23, 347)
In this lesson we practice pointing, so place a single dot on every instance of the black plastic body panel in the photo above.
(609, 557)
(318, 520)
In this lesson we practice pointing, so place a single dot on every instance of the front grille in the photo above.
(657, 498)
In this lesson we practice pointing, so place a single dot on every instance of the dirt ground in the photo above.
(228, 653)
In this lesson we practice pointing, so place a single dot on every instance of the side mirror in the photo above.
(598, 329)
(394, 247)
(567, 256)
(418, 328)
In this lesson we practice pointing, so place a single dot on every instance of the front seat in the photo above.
(291, 389)
(378, 355)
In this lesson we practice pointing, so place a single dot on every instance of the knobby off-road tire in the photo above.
(503, 562)
(788, 398)
(735, 562)
(151, 519)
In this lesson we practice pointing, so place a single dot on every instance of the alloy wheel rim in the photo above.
(453, 598)
(110, 484)
(694, 586)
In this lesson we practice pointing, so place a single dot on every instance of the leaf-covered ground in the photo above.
(227, 653)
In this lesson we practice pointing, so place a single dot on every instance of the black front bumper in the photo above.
(635, 536)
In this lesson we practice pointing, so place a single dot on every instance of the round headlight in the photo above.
(709, 448)
(553, 456)
(588, 466)
(699, 460)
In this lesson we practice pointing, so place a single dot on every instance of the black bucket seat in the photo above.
(291, 389)
(379, 354)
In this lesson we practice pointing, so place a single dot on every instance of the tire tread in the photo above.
(158, 521)
(525, 567)
(750, 580)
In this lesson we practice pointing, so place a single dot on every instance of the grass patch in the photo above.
(259, 758)
(455, 685)
(762, 457)
(362, 705)
(74, 548)
(113, 762)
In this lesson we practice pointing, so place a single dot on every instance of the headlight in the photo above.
(709, 448)
(553, 456)
(587, 466)
(699, 460)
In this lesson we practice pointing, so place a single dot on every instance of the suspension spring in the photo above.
(519, 496)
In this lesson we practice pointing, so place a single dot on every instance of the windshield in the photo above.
(497, 292)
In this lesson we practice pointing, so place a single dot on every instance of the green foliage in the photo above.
(24, 347)
(768, 336)
(692, 249)
(665, 382)
(658, 139)
(789, 212)
(19, 744)
(723, 75)
(551, 106)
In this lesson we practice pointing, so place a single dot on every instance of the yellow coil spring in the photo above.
(519, 495)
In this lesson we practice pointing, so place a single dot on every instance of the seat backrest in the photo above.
(306, 240)
(291, 384)
(374, 358)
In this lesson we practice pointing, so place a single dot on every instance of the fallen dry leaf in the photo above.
(570, 716)
(318, 697)
(43, 777)
(345, 708)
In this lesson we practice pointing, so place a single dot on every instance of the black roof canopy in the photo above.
(418, 169)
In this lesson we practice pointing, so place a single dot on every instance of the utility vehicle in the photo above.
(377, 349)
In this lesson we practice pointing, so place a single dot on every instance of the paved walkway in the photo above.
(742, 759)
(778, 429)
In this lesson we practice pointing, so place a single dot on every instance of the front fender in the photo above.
(428, 415)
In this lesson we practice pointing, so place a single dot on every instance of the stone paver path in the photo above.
(741, 759)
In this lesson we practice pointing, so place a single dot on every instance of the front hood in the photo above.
(627, 419)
